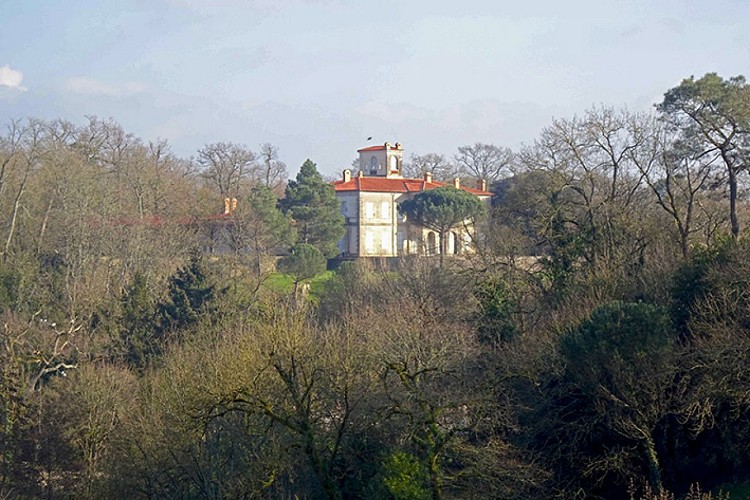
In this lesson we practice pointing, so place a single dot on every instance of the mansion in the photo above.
(369, 204)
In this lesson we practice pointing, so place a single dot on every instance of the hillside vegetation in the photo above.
(595, 345)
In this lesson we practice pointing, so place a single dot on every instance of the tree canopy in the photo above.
(442, 209)
(595, 345)
(715, 113)
(315, 209)
(304, 262)
(483, 161)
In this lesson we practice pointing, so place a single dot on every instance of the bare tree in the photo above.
(29, 139)
(598, 221)
(31, 352)
(256, 230)
(436, 164)
(680, 174)
(483, 161)
(60, 149)
(312, 385)
(227, 166)
(272, 172)
(715, 114)
(118, 154)
(10, 149)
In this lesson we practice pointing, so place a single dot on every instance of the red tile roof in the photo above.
(394, 185)
(378, 148)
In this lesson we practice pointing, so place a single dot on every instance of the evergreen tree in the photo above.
(139, 338)
(314, 207)
(621, 364)
(266, 227)
(190, 294)
(441, 210)
(714, 114)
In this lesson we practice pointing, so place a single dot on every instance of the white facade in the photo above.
(369, 203)
(376, 229)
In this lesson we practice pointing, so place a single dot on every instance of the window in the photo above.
(385, 210)
(432, 247)
(369, 210)
(369, 242)
(394, 164)
(373, 165)
(385, 242)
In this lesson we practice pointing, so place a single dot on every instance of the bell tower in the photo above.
(382, 161)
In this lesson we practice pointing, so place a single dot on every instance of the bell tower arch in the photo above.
(382, 161)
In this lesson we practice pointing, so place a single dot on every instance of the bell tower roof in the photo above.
(384, 160)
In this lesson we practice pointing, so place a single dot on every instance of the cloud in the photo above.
(88, 86)
(11, 78)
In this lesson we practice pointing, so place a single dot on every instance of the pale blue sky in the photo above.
(317, 77)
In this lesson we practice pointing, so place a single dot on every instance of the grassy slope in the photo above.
(282, 283)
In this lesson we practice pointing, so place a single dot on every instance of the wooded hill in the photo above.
(595, 346)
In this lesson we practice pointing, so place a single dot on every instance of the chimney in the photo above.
(227, 206)
(457, 183)
(234, 204)
(387, 145)
(347, 175)
(428, 177)
(360, 174)
(481, 184)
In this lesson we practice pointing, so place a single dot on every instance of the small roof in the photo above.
(395, 185)
(381, 147)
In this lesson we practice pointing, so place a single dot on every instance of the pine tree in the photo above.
(139, 337)
(314, 207)
(441, 210)
(190, 294)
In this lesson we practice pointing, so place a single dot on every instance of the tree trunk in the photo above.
(441, 247)
(14, 216)
(436, 478)
(43, 228)
(733, 202)
(684, 243)
(652, 462)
